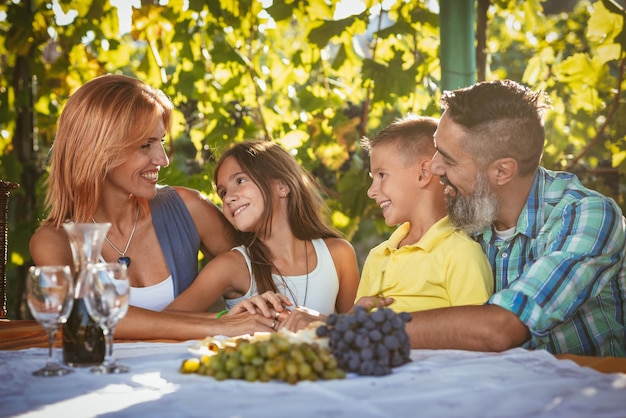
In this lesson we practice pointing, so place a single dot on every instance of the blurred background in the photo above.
(312, 75)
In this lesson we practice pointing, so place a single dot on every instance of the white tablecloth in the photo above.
(443, 383)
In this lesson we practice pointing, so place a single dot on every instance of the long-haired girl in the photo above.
(288, 246)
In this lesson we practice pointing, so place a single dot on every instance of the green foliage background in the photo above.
(291, 73)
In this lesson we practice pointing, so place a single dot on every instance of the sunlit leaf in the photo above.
(538, 66)
(611, 52)
(294, 139)
(319, 9)
(578, 69)
(281, 9)
(321, 35)
(332, 155)
(604, 26)
(618, 158)
(340, 220)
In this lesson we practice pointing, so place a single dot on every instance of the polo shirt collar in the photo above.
(440, 230)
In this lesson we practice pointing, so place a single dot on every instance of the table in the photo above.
(437, 383)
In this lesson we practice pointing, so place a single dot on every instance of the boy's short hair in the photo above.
(412, 135)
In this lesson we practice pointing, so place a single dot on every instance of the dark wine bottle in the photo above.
(83, 340)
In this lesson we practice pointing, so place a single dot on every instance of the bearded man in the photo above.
(556, 248)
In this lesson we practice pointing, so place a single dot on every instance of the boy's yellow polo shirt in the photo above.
(445, 268)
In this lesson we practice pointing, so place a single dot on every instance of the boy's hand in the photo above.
(369, 302)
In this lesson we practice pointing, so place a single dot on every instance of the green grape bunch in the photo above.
(366, 342)
(275, 358)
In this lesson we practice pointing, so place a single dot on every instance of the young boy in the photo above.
(426, 263)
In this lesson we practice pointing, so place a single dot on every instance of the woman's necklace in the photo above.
(123, 259)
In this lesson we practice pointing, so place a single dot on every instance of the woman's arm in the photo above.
(50, 246)
(143, 324)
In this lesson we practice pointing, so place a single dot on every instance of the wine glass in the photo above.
(50, 296)
(108, 291)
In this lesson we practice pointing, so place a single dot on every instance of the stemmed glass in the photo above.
(107, 302)
(50, 296)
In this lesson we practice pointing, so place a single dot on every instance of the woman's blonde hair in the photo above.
(265, 162)
(101, 125)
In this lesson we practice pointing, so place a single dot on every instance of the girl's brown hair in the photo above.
(101, 125)
(265, 162)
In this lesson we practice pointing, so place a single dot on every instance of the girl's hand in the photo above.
(299, 318)
(270, 304)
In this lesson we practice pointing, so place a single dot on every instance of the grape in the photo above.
(380, 370)
(322, 331)
(386, 327)
(370, 324)
(397, 322)
(391, 342)
(341, 326)
(397, 359)
(378, 316)
(342, 346)
(366, 368)
(276, 358)
(406, 317)
(367, 353)
(382, 351)
(360, 313)
(231, 363)
(362, 341)
(368, 342)
(375, 335)
(354, 362)
(191, 365)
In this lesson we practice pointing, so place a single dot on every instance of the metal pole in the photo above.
(457, 52)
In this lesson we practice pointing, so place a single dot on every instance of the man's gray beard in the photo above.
(476, 212)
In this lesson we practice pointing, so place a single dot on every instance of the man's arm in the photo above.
(476, 328)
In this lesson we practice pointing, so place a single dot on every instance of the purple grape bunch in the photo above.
(369, 343)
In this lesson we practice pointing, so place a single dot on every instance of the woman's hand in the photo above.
(270, 304)
(241, 323)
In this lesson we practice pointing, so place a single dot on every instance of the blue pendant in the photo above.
(124, 260)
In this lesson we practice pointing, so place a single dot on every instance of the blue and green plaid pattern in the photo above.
(563, 272)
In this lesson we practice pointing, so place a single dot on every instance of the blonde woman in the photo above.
(104, 167)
